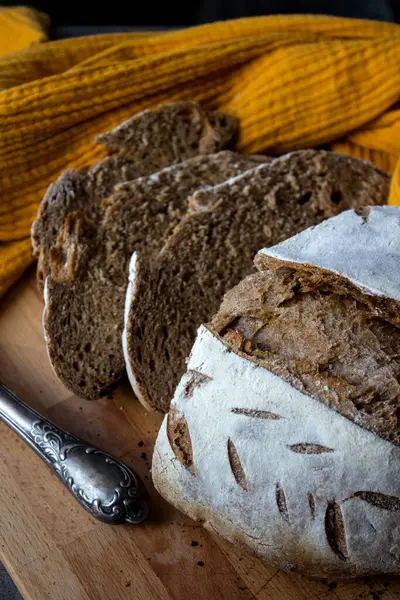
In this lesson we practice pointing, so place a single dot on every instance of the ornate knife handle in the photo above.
(103, 485)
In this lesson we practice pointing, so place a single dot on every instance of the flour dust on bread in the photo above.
(142, 145)
(324, 314)
(213, 248)
(274, 439)
(85, 292)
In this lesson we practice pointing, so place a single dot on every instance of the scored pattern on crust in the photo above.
(236, 465)
(258, 414)
(335, 530)
(333, 520)
(309, 449)
(311, 504)
(180, 440)
(196, 379)
(379, 500)
(334, 523)
(280, 497)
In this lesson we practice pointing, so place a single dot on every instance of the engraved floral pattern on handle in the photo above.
(103, 485)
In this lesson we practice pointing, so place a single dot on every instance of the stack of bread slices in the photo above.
(159, 230)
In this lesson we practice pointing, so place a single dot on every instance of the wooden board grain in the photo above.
(54, 550)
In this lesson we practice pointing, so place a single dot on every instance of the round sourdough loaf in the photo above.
(283, 434)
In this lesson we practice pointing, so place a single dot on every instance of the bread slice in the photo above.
(142, 145)
(212, 249)
(85, 293)
(255, 453)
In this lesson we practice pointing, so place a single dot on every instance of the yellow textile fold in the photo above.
(20, 27)
(293, 81)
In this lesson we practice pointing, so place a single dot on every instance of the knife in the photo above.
(103, 485)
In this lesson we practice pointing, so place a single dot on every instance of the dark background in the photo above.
(176, 13)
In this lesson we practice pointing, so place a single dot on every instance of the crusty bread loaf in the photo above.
(212, 249)
(85, 292)
(144, 144)
(323, 334)
(306, 476)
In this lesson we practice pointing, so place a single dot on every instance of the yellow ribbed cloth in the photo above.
(293, 81)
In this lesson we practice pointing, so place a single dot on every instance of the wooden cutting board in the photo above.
(55, 550)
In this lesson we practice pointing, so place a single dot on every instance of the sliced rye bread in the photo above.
(213, 248)
(144, 144)
(85, 293)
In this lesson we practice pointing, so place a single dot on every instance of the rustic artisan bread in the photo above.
(144, 144)
(85, 293)
(306, 476)
(212, 249)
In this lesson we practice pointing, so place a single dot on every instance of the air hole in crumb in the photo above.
(304, 199)
(166, 353)
(75, 366)
(165, 332)
(152, 365)
(139, 355)
(336, 197)
(109, 338)
(186, 276)
(82, 383)
(87, 347)
(80, 355)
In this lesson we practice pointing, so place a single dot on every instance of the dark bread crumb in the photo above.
(146, 143)
(89, 268)
(332, 586)
(213, 248)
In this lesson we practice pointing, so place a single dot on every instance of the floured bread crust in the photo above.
(275, 471)
(361, 246)
(283, 434)
(322, 340)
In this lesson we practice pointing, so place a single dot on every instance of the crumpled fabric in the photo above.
(293, 81)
